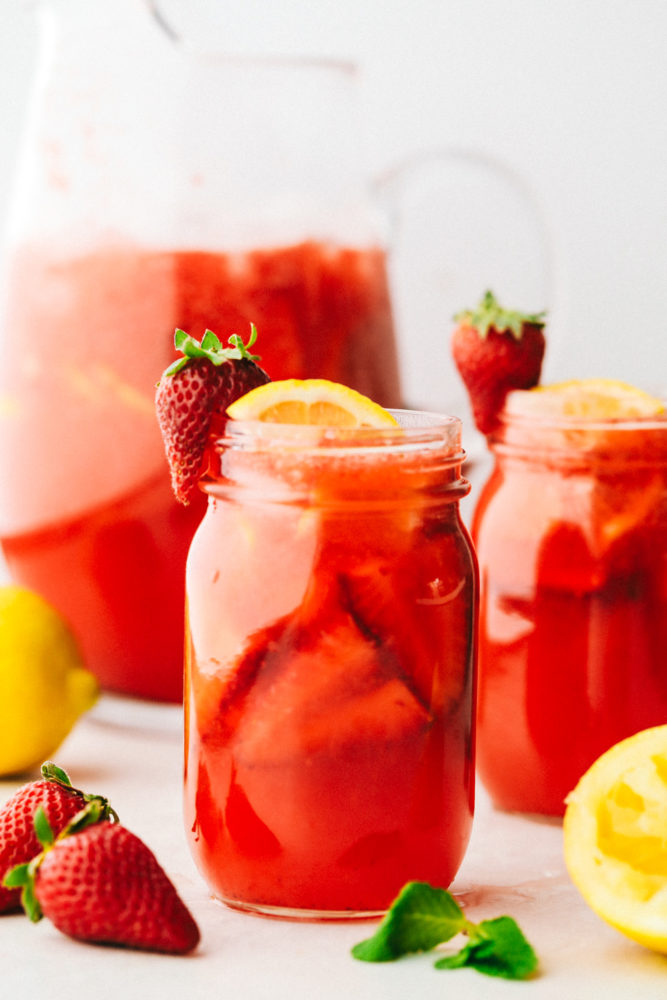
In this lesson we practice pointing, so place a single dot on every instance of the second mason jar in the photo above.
(571, 536)
(330, 651)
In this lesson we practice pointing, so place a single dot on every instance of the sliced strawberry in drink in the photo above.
(220, 691)
(326, 694)
(414, 608)
(219, 697)
(573, 559)
(254, 838)
(379, 601)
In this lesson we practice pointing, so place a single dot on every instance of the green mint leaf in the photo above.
(420, 918)
(43, 827)
(496, 948)
(458, 960)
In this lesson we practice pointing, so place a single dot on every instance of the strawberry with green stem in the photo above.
(60, 802)
(192, 397)
(496, 350)
(98, 882)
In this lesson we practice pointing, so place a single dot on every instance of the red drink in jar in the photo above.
(330, 667)
(571, 536)
(86, 513)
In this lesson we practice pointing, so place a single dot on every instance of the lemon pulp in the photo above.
(615, 837)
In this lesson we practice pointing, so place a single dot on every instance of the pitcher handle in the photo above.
(461, 221)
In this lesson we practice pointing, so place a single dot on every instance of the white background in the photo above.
(566, 98)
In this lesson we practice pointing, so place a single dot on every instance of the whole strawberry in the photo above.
(18, 840)
(98, 882)
(191, 399)
(496, 350)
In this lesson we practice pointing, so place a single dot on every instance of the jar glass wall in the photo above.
(571, 536)
(330, 667)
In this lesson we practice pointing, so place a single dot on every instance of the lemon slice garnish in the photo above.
(587, 399)
(615, 837)
(317, 402)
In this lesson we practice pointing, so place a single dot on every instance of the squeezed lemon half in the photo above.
(313, 401)
(588, 399)
(615, 837)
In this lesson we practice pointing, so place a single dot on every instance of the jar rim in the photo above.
(593, 424)
(579, 441)
(655, 421)
(418, 430)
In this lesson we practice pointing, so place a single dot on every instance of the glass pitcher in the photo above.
(160, 188)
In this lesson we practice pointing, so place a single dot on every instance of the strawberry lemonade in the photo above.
(331, 593)
(87, 517)
(571, 536)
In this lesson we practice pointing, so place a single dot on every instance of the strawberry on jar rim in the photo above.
(192, 398)
(19, 843)
(496, 350)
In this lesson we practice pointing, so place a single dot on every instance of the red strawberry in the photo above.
(192, 397)
(496, 350)
(98, 882)
(18, 840)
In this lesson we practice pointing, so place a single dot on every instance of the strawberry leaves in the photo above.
(104, 809)
(490, 315)
(422, 917)
(211, 348)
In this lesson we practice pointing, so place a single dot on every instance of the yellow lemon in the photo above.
(44, 686)
(314, 401)
(587, 399)
(615, 837)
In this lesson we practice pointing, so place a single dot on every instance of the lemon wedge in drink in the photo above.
(615, 837)
(315, 401)
(44, 685)
(586, 399)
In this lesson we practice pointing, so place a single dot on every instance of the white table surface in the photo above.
(132, 753)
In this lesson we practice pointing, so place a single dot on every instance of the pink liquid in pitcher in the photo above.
(86, 513)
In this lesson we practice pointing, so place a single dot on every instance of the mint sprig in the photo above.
(211, 348)
(422, 917)
(489, 314)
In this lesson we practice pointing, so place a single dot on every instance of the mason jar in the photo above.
(571, 537)
(330, 665)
